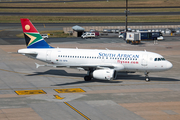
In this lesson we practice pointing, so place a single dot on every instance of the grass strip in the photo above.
(52, 33)
(88, 10)
(110, 3)
(90, 19)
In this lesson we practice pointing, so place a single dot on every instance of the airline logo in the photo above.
(27, 27)
(118, 55)
(34, 37)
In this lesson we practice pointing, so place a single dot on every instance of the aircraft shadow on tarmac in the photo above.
(121, 76)
(64, 73)
(142, 77)
(82, 82)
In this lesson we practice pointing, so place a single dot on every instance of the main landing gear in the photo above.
(88, 77)
(147, 79)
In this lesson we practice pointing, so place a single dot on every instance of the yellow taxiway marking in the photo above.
(58, 97)
(30, 92)
(77, 111)
(69, 90)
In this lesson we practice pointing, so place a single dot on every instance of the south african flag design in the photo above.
(32, 37)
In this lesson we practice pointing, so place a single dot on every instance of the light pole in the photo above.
(126, 13)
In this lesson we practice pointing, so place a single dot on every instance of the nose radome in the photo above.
(169, 65)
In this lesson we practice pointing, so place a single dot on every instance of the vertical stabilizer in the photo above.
(32, 37)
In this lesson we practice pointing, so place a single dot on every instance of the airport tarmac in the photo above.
(47, 93)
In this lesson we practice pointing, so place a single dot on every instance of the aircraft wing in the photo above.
(117, 67)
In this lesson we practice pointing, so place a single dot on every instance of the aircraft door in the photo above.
(48, 56)
(144, 61)
(103, 58)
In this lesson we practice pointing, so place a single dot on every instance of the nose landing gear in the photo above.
(147, 79)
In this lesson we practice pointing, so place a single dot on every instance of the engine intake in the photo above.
(105, 74)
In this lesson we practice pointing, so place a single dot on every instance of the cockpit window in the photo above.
(162, 59)
(159, 59)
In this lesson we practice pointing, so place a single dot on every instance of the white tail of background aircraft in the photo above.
(100, 64)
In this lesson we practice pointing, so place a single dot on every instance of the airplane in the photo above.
(99, 64)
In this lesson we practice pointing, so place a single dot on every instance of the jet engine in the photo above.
(104, 74)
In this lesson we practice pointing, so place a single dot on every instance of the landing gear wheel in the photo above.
(87, 78)
(147, 79)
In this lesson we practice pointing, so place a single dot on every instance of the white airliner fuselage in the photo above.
(101, 63)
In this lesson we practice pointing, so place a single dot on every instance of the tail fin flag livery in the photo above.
(32, 36)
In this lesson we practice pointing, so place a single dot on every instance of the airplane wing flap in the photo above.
(96, 66)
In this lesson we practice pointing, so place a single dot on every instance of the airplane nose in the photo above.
(169, 65)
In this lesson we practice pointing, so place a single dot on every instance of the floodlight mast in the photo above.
(126, 14)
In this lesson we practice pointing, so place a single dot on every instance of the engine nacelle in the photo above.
(105, 74)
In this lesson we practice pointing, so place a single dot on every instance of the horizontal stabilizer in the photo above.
(47, 65)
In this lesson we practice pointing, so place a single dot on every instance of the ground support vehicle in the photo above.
(151, 35)
(88, 35)
(133, 37)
